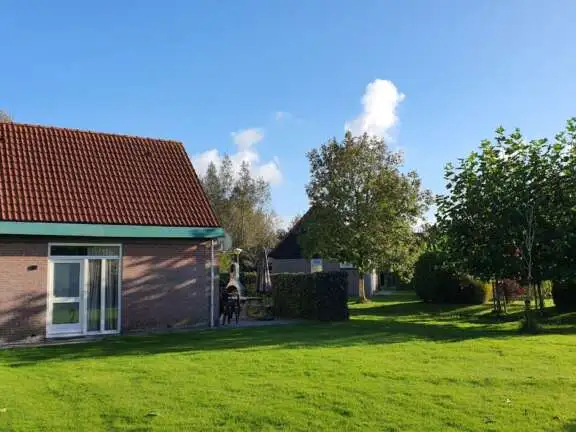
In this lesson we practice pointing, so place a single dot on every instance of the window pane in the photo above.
(94, 293)
(68, 250)
(66, 313)
(111, 300)
(85, 250)
(103, 250)
(67, 280)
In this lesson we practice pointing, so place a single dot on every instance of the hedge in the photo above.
(564, 295)
(316, 296)
(435, 283)
(432, 281)
(473, 291)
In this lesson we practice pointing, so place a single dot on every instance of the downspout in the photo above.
(212, 283)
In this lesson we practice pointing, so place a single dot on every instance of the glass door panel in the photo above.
(94, 295)
(66, 311)
(111, 295)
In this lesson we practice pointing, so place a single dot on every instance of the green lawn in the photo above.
(397, 365)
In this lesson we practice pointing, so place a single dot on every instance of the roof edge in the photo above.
(293, 232)
(93, 132)
(101, 230)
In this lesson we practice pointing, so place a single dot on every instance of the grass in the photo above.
(398, 365)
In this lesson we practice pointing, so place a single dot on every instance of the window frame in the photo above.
(52, 259)
(116, 256)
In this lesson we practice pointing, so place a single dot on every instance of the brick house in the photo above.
(100, 234)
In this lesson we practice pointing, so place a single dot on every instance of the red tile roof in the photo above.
(50, 174)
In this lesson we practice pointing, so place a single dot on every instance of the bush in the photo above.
(564, 295)
(432, 281)
(435, 283)
(317, 296)
(473, 291)
(509, 289)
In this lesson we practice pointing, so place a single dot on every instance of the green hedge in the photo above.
(473, 291)
(564, 295)
(316, 296)
(432, 282)
(435, 283)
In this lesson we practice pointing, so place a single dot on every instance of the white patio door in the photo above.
(66, 302)
(84, 296)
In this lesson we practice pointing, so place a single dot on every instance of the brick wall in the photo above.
(23, 279)
(165, 284)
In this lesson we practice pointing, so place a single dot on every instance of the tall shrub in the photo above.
(473, 291)
(434, 282)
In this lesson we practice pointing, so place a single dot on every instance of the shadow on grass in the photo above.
(409, 305)
(380, 324)
(345, 334)
(393, 308)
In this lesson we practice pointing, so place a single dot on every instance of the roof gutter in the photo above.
(101, 230)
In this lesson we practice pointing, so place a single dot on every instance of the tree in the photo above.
(509, 211)
(5, 117)
(364, 207)
(242, 204)
(213, 188)
(249, 200)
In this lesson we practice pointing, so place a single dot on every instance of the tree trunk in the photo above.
(540, 297)
(361, 291)
(495, 297)
(505, 296)
(528, 301)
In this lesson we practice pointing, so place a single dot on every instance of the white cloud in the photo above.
(270, 172)
(378, 115)
(246, 138)
(202, 161)
(245, 141)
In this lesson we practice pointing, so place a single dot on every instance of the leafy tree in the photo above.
(249, 200)
(241, 204)
(213, 188)
(509, 211)
(364, 207)
(226, 175)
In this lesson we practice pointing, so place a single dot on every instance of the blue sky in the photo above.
(436, 76)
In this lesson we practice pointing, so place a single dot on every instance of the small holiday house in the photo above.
(100, 234)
